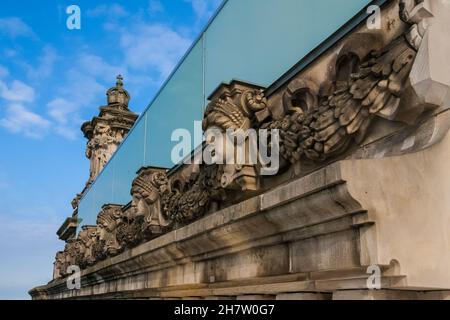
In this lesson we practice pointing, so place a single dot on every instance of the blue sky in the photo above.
(51, 80)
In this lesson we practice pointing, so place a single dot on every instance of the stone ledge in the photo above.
(338, 218)
(307, 208)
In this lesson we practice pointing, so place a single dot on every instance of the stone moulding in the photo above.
(352, 139)
(318, 233)
(67, 229)
(259, 231)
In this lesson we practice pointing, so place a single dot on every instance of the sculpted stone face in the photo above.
(59, 265)
(229, 123)
(102, 231)
(106, 233)
(147, 190)
(139, 205)
(79, 247)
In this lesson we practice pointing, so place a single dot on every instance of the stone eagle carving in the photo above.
(374, 90)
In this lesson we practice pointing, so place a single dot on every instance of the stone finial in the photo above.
(119, 82)
(118, 95)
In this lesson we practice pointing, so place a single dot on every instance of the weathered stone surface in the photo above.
(255, 297)
(303, 296)
(356, 188)
(430, 76)
(375, 295)
(106, 132)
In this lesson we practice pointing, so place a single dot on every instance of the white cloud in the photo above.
(81, 90)
(200, 7)
(154, 47)
(95, 66)
(28, 228)
(69, 133)
(155, 7)
(14, 27)
(19, 119)
(3, 72)
(45, 64)
(60, 108)
(10, 53)
(203, 9)
(110, 11)
(150, 51)
(63, 112)
(27, 249)
(18, 91)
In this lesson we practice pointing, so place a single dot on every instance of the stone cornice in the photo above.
(260, 221)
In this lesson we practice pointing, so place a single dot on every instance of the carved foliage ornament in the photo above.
(234, 109)
(192, 201)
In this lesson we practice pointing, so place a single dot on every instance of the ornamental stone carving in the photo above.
(318, 132)
(129, 231)
(233, 110)
(318, 122)
(430, 75)
(147, 189)
(58, 266)
(107, 223)
(68, 258)
(84, 246)
(191, 199)
(106, 132)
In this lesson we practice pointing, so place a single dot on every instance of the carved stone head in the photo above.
(147, 190)
(59, 265)
(70, 253)
(233, 110)
(107, 220)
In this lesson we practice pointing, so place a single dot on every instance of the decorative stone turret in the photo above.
(106, 131)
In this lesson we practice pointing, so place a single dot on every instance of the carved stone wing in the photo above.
(375, 90)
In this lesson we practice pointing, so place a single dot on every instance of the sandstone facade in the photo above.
(363, 185)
